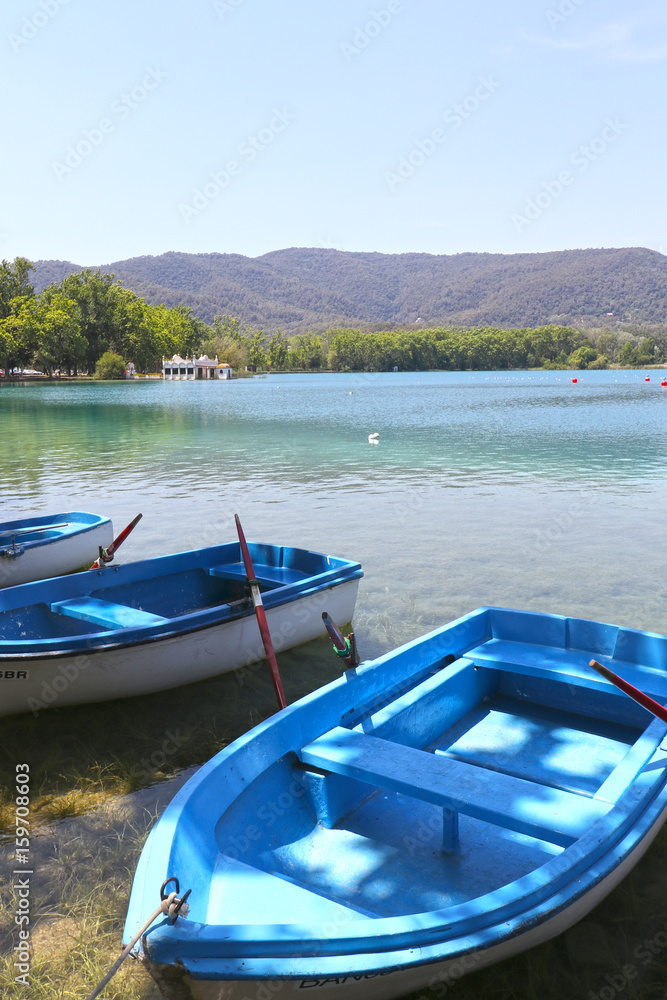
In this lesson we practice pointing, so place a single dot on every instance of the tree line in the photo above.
(89, 323)
(71, 324)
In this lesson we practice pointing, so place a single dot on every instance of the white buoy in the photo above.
(374, 438)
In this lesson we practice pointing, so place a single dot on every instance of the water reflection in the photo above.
(290, 431)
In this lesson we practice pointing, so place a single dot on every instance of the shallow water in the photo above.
(519, 489)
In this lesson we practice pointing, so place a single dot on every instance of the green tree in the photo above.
(277, 351)
(60, 343)
(306, 351)
(256, 352)
(109, 366)
(229, 327)
(602, 361)
(627, 356)
(607, 343)
(582, 357)
(348, 351)
(96, 295)
(646, 351)
(19, 333)
(233, 352)
(14, 283)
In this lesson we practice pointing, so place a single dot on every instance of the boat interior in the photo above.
(120, 597)
(476, 773)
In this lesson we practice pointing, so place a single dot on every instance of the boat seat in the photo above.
(113, 616)
(534, 660)
(549, 814)
(280, 576)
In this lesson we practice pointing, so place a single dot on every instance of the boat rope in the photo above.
(170, 906)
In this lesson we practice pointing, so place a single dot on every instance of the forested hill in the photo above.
(298, 289)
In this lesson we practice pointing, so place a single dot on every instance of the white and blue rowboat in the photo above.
(436, 810)
(142, 627)
(35, 548)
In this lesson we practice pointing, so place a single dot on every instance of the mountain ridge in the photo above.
(301, 288)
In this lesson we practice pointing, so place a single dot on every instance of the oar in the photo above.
(106, 555)
(343, 647)
(38, 527)
(260, 614)
(655, 707)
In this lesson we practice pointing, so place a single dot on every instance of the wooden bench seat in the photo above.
(106, 614)
(549, 814)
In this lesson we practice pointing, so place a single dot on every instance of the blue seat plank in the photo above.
(536, 661)
(541, 661)
(91, 609)
(547, 813)
(269, 574)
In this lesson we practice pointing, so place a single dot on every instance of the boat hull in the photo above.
(158, 664)
(40, 555)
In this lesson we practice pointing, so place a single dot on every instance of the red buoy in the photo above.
(647, 379)
(664, 381)
(575, 380)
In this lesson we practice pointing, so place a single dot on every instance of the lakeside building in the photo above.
(186, 369)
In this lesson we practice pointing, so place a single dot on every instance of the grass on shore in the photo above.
(82, 755)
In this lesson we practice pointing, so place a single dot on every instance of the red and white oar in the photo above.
(260, 614)
(642, 699)
(106, 555)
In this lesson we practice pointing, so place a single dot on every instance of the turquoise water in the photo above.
(519, 489)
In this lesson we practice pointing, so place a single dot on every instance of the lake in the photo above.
(511, 488)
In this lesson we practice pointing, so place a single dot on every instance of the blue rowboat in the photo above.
(142, 627)
(35, 548)
(433, 811)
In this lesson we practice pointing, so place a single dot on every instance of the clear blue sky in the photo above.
(243, 126)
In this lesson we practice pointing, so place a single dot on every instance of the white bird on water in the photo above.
(374, 438)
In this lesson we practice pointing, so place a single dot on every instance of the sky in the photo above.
(244, 126)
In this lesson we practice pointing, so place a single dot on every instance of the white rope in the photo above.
(170, 906)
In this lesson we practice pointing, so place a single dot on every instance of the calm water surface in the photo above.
(519, 489)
